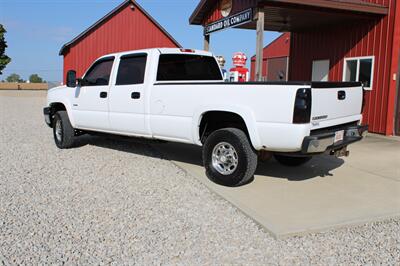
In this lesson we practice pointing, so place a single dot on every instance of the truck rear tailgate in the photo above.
(334, 102)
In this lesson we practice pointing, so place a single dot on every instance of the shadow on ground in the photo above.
(320, 166)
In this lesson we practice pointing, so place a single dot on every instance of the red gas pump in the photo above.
(239, 73)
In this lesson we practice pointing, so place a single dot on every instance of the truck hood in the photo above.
(57, 88)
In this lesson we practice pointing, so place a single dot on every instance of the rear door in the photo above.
(90, 105)
(170, 117)
(127, 96)
(334, 103)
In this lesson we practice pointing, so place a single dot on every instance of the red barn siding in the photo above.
(280, 47)
(373, 38)
(125, 30)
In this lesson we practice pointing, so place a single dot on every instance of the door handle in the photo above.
(341, 95)
(103, 94)
(135, 95)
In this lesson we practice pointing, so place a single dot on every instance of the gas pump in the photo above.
(239, 73)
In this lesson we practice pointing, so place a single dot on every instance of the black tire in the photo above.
(246, 159)
(67, 138)
(292, 160)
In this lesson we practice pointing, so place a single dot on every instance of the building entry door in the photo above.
(320, 70)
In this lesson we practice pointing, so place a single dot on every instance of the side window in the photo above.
(359, 69)
(131, 70)
(99, 73)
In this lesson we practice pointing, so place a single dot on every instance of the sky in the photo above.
(37, 29)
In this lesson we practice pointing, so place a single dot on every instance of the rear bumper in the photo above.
(326, 142)
(47, 115)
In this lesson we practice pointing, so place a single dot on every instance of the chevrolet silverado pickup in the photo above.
(179, 95)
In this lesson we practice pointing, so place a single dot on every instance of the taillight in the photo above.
(302, 107)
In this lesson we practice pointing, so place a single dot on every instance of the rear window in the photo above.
(178, 67)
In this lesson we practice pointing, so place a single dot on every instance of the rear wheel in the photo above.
(63, 132)
(229, 158)
(292, 160)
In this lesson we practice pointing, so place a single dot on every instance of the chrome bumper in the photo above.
(326, 141)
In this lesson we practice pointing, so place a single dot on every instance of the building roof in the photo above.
(65, 47)
(354, 6)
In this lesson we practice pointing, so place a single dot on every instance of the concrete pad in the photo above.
(325, 193)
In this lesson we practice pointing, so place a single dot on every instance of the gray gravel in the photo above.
(120, 202)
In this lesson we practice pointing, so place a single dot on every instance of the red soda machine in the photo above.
(239, 73)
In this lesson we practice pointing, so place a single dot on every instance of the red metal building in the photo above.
(275, 60)
(331, 40)
(338, 44)
(127, 27)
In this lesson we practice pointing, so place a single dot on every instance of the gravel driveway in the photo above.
(120, 202)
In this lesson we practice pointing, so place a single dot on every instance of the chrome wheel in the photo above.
(224, 158)
(58, 130)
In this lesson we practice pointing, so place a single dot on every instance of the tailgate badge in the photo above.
(319, 117)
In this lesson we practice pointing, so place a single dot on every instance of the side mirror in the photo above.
(71, 79)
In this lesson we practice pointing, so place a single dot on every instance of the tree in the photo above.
(4, 59)
(34, 78)
(14, 78)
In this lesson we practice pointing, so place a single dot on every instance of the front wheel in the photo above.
(63, 132)
(292, 160)
(229, 158)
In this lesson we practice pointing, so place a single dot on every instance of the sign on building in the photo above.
(229, 22)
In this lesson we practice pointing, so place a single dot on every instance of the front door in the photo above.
(90, 105)
(127, 96)
(320, 70)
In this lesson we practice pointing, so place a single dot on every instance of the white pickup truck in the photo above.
(179, 95)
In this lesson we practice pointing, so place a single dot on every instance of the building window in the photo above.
(359, 69)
